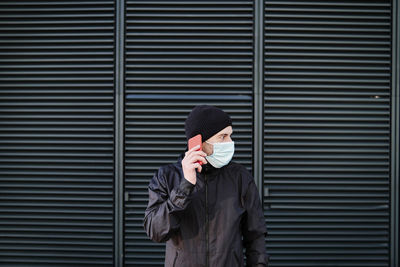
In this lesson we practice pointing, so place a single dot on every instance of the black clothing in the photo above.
(203, 224)
(207, 121)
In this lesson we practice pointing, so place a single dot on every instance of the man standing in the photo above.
(207, 217)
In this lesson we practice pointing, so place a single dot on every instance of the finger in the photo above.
(200, 153)
(194, 156)
(198, 158)
(202, 159)
(197, 166)
(194, 148)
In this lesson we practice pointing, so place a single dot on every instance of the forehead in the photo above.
(227, 130)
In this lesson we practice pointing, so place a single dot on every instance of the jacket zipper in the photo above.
(176, 257)
(207, 235)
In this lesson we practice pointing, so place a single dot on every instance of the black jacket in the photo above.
(176, 214)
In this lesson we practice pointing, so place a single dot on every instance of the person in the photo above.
(207, 214)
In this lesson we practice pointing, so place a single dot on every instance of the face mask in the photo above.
(222, 154)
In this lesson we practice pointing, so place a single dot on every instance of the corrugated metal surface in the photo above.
(56, 133)
(326, 119)
(179, 54)
(327, 114)
(189, 47)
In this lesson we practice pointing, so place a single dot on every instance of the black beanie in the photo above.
(207, 121)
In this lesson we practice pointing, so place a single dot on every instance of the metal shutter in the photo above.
(179, 54)
(56, 133)
(327, 115)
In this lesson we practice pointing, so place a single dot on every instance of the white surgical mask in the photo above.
(222, 154)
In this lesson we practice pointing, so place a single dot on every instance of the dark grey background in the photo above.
(93, 98)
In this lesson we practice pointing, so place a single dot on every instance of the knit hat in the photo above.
(207, 121)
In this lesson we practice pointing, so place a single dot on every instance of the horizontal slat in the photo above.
(326, 132)
(56, 134)
(213, 56)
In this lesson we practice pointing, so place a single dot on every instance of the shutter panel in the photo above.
(327, 114)
(180, 54)
(56, 134)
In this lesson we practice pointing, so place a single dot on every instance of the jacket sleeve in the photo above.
(253, 228)
(161, 219)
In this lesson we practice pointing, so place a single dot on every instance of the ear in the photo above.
(207, 148)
